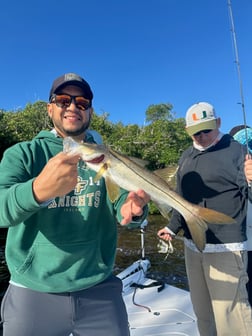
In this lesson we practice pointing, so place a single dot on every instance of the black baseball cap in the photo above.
(74, 79)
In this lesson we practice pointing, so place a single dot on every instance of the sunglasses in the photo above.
(203, 131)
(65, 100)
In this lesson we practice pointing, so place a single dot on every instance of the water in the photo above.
(170, 269)
(4, 274)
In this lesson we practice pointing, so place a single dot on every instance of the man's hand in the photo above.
(248, 168)
(165, 234)
(58, 177)
(133, 205)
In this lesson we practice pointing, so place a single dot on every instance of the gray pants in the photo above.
(96, 311)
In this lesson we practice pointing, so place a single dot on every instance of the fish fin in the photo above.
(168, 174)
(164, 210)
(198, 230)
(101, 172)
(214, 217)
(113, 189)
(140, 162)
(197, 224)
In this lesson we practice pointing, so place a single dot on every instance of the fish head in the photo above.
(98, 158)
(95, 156)
(92, 153)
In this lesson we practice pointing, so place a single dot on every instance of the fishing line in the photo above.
(238, 71)
(163, 246)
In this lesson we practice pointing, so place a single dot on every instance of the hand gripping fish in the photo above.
(120, 171)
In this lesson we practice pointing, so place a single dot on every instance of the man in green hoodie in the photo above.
(62, 229)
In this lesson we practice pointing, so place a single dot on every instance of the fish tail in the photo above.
(214, 217)
(198, 221)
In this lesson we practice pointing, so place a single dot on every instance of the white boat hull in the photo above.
(158, 310)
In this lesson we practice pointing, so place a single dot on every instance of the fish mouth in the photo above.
(97, 159)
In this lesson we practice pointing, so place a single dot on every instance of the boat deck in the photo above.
(160, 309)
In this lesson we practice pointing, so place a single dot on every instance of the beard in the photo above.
(62, 131)
(78, 131)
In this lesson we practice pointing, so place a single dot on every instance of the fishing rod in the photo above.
(238, 71)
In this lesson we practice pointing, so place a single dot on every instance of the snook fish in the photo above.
(120, 171)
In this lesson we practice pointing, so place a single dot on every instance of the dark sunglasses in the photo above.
(203, 131)
(65, 100)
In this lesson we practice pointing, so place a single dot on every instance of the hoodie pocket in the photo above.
(73, 261)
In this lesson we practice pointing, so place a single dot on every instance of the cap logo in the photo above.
(195, 117)
(72, 77)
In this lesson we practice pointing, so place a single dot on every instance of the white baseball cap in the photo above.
(199, 117)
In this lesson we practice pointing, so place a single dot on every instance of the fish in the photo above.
(121, 171)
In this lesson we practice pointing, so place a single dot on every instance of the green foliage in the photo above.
(102, 125)
(6, 138)
(159, 112)
(25, 124)
(163, 142)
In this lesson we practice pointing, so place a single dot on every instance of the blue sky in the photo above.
(134, 53)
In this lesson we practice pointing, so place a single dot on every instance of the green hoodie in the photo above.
(67, 244)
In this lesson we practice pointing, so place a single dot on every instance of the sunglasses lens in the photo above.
(63, 101)
(204, 131)
(82, 103)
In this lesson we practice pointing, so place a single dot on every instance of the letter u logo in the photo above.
(195, 118)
